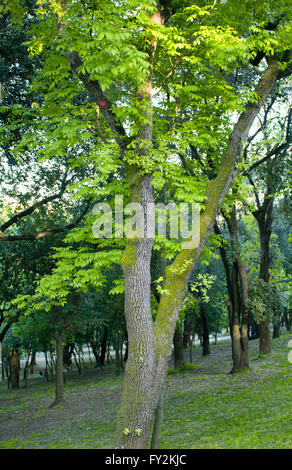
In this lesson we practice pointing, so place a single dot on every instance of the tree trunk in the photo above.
(1, 362)
(254, 329)
(15, 369)
(204, 318)
(78, 365)
(229, 312)
(178, 349)
(239, 326)
(157, 423)
(118, 357)
(265, 337)
(139, 399)
(277, 330)
(191, 349)
(103, 347)
(127, 349)
(288, 319)
(59, 336)
(236, 334)
(228, 276)
(89, 356)
(32, 362)
(186, 338)
(26, 370)
(264, 219)
(67, 353)
(95, 351)
(244, 315)
(52, 365)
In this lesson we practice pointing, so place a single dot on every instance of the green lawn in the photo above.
(205, 406)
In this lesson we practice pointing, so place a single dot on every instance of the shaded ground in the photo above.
(205, 406)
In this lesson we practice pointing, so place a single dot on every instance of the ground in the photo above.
(205, 406)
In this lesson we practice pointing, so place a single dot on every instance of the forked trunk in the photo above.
(239, 324)
(149, 343)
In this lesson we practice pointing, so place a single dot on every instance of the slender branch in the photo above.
(35, 206)
(180, 271)
(40, 235)
(167, 76)
(185, 165)
(7, 326)
(95, 91)
(283, 280)
(254, 190)
(279, 150)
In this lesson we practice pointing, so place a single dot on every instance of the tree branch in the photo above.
(35, 206)
(254, 191)
(96, 93)
(178, 274)
(275, 151)
(38, 236)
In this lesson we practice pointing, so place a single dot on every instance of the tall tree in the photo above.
(271, 179)
(115, 54)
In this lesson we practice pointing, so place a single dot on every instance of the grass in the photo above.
(205, 406)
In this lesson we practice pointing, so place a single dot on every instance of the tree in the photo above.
(136, 41)
(240, 308)
(273, 171)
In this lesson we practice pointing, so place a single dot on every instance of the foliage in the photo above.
(265, 299)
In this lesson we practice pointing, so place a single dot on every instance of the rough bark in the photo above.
(239, 324)
(26, 369)
(138, 402)
(155, 439)
(103, 347)
(140, 395)
(95, 350)
(277, 330)
(244, 315)
(59, 392)
(118, 357)
(32, 362)
(226, 264)
(288, 319)
(15, 369)
(77, 362)
(239, 320)
(204, 318)
(67, 353)
(264, 217)
(178, 349)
